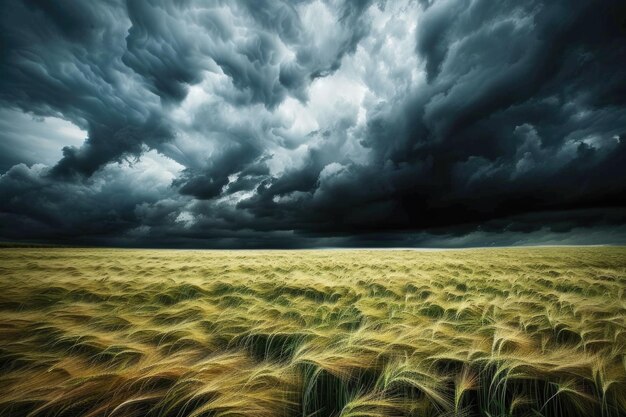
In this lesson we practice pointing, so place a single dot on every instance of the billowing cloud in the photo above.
(307, 123)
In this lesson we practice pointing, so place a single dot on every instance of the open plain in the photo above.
(481, 332)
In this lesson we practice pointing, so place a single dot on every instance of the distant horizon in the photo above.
(36, 245)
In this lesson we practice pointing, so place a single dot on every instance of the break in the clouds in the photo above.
(313, 123)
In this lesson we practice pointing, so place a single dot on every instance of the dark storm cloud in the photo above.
(333, 123)
(111, 202)
(160, 49)
(516, 117)
(64, 59)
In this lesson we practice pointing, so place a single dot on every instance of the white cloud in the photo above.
(30, 139)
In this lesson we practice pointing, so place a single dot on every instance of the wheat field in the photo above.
(359, 333)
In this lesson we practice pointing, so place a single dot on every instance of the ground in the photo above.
(482, 332)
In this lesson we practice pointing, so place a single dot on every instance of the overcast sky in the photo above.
(313, 123)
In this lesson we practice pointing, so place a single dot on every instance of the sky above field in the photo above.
(313, 123)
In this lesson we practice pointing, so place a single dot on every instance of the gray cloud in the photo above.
(304, 123)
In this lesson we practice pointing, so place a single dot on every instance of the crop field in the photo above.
(360, 333)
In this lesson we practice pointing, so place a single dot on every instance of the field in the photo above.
(484, 332)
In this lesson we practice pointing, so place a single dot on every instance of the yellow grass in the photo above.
(490, 332)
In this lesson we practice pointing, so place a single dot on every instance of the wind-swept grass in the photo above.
(489, 332)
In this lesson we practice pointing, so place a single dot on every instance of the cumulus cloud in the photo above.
(306, 123)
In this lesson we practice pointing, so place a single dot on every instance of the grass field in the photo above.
(486, 332)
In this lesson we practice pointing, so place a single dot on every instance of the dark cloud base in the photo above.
(482, 123)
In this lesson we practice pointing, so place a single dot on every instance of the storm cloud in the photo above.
(313, 123)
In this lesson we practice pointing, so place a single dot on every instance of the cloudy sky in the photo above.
(313, 123)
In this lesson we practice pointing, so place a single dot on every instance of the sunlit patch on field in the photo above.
(489, 332)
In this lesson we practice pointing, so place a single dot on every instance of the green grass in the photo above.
(485, 332)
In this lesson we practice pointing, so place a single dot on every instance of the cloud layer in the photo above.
(327, 123)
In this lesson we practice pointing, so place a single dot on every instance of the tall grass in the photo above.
(491, 332)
